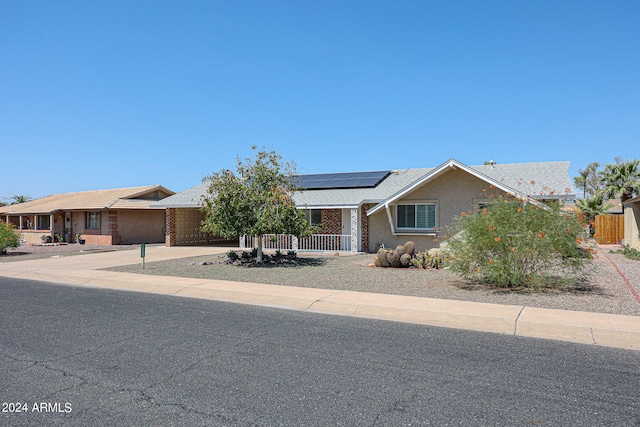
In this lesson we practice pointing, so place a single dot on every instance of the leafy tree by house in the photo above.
(8, 237)
(621, 179)
(589, 180)
(20, 199)
(514, 244)
(256, 200)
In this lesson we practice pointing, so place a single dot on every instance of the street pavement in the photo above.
(80, 356)
(85, 270)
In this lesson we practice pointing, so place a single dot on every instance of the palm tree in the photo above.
(20, 199)
(592, 206)
(622, 179)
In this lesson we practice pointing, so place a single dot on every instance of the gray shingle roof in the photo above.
(539, 180)
(189, 198)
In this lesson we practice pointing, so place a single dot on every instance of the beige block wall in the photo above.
(454, 192)
(632, 225)
(33, 237)
(188, 222)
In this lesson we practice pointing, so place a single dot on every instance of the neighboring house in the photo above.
(106, 217)
(184, 218)
(632, 223)
(362, 211)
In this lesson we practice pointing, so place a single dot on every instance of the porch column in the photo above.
(51, 221)
(354, 230)
(21, 227)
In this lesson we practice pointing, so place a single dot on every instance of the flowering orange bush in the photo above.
(8, 237)
(514, 244)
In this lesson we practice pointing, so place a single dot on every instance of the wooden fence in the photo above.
(610, 229)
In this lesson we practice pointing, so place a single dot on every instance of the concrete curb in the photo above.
(579, 327)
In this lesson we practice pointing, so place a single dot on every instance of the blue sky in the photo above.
(114, 94)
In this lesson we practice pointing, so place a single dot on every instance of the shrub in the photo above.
(232, 255)
(512, 244)
(8, 237)
(629, 252)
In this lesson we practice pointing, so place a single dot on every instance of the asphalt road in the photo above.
(76, 356)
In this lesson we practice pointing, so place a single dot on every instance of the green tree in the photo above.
(256, 201)
(20, 199)
(514, 244)
(589, 180)
(8, 237)
(592, 206)
(621, 179)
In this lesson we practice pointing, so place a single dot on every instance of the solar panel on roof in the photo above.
(341, 180)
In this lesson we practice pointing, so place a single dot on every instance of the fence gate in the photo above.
(610, 229)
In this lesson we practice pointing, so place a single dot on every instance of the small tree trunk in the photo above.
(259, 259)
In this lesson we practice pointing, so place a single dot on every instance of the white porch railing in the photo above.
(313, 243)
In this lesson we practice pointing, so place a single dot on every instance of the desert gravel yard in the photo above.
(28, 252)
(605, 291)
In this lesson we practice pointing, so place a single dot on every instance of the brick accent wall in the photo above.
(364, 221)
(170, 227)
(331, 221)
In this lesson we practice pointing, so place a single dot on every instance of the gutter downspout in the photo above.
(393, 231)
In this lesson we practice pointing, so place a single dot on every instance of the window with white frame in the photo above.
(313, 216)
(93, 220)
(420, 217)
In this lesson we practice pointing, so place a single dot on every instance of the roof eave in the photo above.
(449, 164)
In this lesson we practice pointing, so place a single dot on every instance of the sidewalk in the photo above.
(579, 327)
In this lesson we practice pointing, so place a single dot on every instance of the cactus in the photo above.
(405, 260)
(416, 263)
(436, 262)
(405, 256)
(393, 258)
(382, 257)
(418, 260)
(409, 248)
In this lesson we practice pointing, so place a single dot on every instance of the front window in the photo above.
(93, 220)
(416, 217)
(44, 222)
(313, 216)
